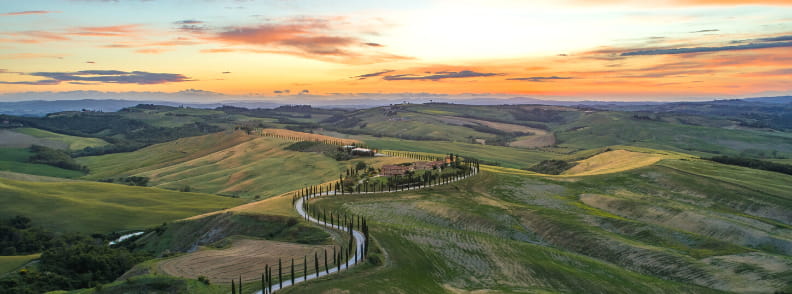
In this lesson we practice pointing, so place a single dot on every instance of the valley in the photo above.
(567, 199)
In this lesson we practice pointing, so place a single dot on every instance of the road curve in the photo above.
(360, 239)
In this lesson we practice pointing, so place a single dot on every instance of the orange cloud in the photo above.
(28, 12)
(306, 37)
(107, 31)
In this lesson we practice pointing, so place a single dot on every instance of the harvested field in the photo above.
(245, 257)
(613, 161)
(18, 140)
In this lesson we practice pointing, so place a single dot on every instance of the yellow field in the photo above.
(613, 161)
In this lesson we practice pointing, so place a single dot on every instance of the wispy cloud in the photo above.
(440, 75)
(540, 79)
(103, 76)
(316, 38)
(371, 75)
(28, 12)
(708, 49)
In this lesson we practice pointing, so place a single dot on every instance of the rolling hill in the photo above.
(676, 226)
(226, 163)
(91, 207)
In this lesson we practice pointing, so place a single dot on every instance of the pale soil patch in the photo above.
(11, 139)
(245, 257)
(489, 201)
(540, 138)
(534, 141)
(613, 161)
(753, 272)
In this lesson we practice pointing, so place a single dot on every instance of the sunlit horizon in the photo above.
(561, 50)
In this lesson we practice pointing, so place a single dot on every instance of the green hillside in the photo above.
(678, 226)
(16, 160)
(99, 207)
(71, 142)
(226, 163)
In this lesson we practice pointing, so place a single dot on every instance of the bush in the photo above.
(375, 259)
(552, 167)
(53, 157)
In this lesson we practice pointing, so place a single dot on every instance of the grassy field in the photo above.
(71, 142)
(681, 225)
(599, 129)
(15, 160)
(99, 207)
(10, 263)
(237, 164)
(504, 156)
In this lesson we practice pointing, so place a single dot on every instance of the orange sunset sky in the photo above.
(566, 49)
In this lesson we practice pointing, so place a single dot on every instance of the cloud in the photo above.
(705, 31)
(104, 76)
(282, 91)
(91, 62)
(540, 79)
(304, 92)
(440, 75)
(374, 74)
(189, 21)
(38, 83)
(707, 49)
(107, 31)
(315, 38)
(29, 12)
(777, 39)
(226, 72)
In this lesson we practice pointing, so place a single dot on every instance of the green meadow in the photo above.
(91, 207)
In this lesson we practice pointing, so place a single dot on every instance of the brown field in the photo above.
(245, 257)
(13, 139)
(305, 136)
(540, 138)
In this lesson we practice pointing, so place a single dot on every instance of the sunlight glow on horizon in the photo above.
(676, 49)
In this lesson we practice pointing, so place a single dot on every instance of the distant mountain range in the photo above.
(41, 106)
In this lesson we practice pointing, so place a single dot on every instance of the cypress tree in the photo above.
(240, 284)
(263, 280)
(327, 271)
(292, 272)
(233, 287)
(316, 263)
(280, 274)
(305, 267)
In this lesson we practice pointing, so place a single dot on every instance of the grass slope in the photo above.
(99, 207)
(10, 263)
(681, 225)
(224, 163)
(15, 160)
(71, 142)
(599, 129)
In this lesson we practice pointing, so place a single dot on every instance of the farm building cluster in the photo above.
(402, 169)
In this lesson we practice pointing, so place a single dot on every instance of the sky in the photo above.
(615, 50)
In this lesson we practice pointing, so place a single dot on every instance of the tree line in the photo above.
(754, 163)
